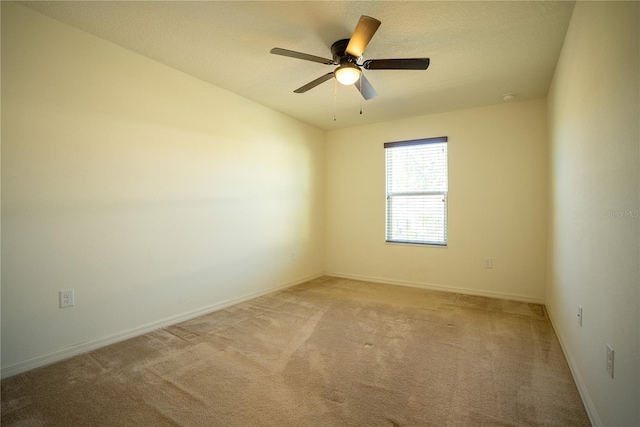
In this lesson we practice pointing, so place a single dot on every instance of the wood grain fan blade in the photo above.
(397, 64)
(366, 28)
(300, 55)
(314, 83)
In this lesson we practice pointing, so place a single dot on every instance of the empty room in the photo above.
(367, 213)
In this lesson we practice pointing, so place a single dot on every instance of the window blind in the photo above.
(417, 190)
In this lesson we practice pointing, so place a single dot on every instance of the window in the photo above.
(417, 185)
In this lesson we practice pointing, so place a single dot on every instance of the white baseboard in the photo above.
(577, 377)
(432, 287)
(85, 347)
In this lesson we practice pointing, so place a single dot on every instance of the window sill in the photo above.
(422, 245)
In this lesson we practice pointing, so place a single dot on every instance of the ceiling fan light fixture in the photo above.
(346, 53)
(347, 74)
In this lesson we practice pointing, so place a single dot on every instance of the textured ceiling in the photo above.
(479, 50)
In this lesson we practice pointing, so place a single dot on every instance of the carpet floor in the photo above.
(329, 352)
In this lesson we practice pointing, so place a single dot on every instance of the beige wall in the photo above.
(153, 194)
(594, 204)
(497, 203)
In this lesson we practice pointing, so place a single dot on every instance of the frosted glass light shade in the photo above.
(347, 74)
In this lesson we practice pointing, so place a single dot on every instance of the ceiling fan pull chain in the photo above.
(335, 98)
(360, 92)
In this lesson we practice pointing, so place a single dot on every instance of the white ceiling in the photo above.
(479, 50)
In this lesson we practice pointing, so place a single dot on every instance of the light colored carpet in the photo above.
(330, 352)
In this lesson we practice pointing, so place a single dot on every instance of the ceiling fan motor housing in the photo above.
(340, 56)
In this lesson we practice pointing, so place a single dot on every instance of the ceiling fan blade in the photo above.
(365, 88)
(397, 64)
(314, 83)
(300, 55)
(366, 28)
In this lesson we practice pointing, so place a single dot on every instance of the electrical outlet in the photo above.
(67, 298)
(294, 255)
(488, 263)
(610, 360)
(579, 315)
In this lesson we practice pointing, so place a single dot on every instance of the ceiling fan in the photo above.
(347, 52)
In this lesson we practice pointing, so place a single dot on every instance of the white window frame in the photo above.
(424, 238)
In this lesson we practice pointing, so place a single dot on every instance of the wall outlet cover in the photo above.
(610, 354)
(67, 298)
